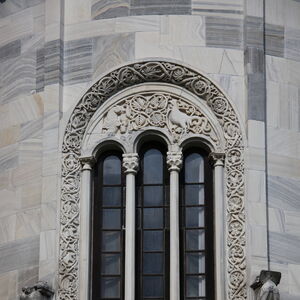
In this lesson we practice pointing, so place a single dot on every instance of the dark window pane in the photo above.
(194, 194)
(153, 263)
(153, 240)
(195, 286)
(110, 264)
(153, 217)
(153, 286)
(112, 196)
(112, 170)
(153, 167)
(110, 287)
(195, 263)
(153, 196)
(195, 239)
(194, 168)
(111, 218)
(194, 216)
(111, 241)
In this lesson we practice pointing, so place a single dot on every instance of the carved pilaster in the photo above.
(131, 163)
(174, 160)
(217, 159)
(87, 162)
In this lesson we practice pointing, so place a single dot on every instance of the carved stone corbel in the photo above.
(40, 291)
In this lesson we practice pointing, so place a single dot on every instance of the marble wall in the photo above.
(52, 51)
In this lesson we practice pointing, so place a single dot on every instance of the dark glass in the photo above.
(194, 168)
(112, 196)
(110, 264)
(111, 241)
(195, 263)
(153, 286)
(153, 196)
(195, 286)
(195, 239)
(194, 217)
(111, 218)
(194, 194)
(112, 170)
(153, 263)
(153, 166)
(153, 240)
(153, 218)
(110, 287)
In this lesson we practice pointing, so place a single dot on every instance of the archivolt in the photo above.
(130, 75)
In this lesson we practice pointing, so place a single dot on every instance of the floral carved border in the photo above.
(130, 75)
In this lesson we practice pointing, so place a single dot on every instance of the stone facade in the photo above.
(52, 52)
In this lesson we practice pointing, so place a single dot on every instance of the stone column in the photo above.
(85, 218)
(130, 165)
(217, 161)
(174, 161)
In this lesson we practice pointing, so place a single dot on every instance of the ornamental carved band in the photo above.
(130, 75)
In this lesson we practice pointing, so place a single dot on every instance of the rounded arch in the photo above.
(220, 106)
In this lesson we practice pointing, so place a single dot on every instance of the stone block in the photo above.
(104, 9)
(292, 43)
(275, 40)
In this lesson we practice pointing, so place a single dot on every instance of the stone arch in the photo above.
(103, 89)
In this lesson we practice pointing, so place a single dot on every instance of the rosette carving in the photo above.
(140, 113)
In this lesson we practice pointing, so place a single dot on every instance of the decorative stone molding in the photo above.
(107, 86)
(174, 160)
(39, 291)
(130, 163)
(87, 162)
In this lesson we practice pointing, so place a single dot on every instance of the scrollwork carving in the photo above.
(180, 119)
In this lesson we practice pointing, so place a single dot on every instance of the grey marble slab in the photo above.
(160, 7)
(31, 129)
(13, 6)
(255, 60)
(254, 32)
(10, 50)
(275, 40)
(104, 9)
(292, 43)
(40, 70)
(28, 277)
(77, 63)
(53, 54)
(18, 76)
(112, 50)
(284, 248)
(224, 32)
(9, 157)
(20, 254)
(284, 193)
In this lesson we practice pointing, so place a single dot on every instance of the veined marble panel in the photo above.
(275, 12)
(28, 277)
(51, 163)
(77, 62)
(112, 50)
(28, 223)
(292, 222)
(160, 7)
(30, 150)
(256, 134)
(9, 135)
(53, 54)
(292, 43)
(50, 189)
(276, 220)
(48, 216)
(8, 285)
(19, 254)
(284, 248)
(292, 13)
(40, 70)
(256, 186)
(254, 32)
(77, 11)
(10, 50)
(103, 9)
(231, 8)
(31, 194)
(284, 193)
(31, 129)
(138, 24)
(294, 279)
(9, 157)
(15, 6)
(277, 69)
(7, 229)
(10, 200)
(224, 32)
(275, 40)
(18, 77)
(254, 8)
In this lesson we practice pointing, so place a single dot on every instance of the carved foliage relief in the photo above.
(161, 115)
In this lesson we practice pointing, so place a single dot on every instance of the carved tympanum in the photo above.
(162, 110)
(180, 120)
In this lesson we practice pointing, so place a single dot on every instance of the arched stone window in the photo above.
(128, 108)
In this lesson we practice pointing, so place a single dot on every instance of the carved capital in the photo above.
(131, 163)
(174, 160)
(87, 162)
(217, 159)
